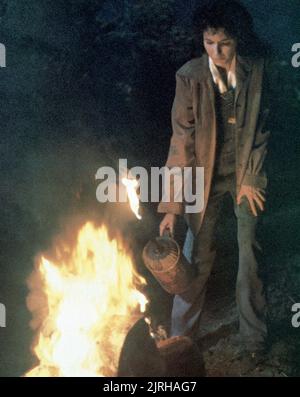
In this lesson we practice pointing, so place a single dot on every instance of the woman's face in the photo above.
(220, 47)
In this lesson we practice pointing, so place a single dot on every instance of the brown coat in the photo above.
(193, 142)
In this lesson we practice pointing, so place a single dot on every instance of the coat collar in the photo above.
(200, 68)
(243, 68)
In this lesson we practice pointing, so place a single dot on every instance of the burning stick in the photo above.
(131, 186)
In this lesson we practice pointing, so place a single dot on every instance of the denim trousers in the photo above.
(201, 251)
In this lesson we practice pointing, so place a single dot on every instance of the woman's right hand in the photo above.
(168, 222)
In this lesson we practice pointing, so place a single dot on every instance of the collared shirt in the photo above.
(231, 76)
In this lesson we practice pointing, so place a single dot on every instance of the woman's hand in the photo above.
(168, 222)
(255, 197)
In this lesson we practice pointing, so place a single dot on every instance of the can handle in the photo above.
(167, 233)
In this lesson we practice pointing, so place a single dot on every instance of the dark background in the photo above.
(88, 82)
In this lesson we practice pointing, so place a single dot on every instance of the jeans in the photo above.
(201, 250)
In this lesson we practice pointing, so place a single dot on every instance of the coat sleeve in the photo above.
(182, 145)
(256, 170)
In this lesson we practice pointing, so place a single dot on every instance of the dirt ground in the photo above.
(223, 357)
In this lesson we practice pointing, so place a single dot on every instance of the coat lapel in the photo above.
(243, 69)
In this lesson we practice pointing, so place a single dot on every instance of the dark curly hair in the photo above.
(237, 22)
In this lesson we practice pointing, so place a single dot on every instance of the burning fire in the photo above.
(83, 306)
(131, 186)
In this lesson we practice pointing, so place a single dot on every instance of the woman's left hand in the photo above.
(255, 197)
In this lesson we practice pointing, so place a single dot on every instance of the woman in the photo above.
(219, 120)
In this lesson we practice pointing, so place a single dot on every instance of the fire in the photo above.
(131, 186)
(91, 301)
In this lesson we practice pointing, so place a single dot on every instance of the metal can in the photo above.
(163, 257)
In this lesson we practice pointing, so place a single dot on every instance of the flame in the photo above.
(91, 302)
(131, 186)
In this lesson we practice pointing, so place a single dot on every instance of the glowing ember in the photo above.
(131, 186)
(84, 306)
